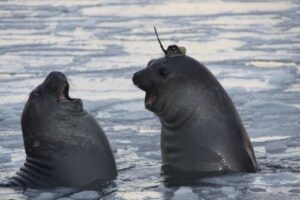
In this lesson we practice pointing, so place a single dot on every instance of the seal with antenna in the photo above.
(173, 50)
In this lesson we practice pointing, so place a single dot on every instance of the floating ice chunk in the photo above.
(69, 9)
(65, 198)
(282, 77)
(269, 138)
(66, 26)
(45, 196)
(145, 195)
(90, 23)
(205, 191)
(155, 155)
(280, 179)
(275, 147)
(228, 190)
(86, 195)
(185, 193)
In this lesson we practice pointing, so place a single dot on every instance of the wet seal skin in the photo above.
(201, 131)
(64, 144)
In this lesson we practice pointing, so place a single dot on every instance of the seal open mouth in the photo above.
(151, 98)
(64, 93)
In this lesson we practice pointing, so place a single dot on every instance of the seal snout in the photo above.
(140, 81)
(135, 79)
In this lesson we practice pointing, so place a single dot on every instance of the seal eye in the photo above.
(37, 93)
(163, 72)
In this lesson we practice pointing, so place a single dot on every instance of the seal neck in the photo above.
(180, 119)
(74, 107)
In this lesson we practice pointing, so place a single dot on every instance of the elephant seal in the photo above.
(64, 144)
(201, 132)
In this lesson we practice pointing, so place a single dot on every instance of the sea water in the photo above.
(252, 47)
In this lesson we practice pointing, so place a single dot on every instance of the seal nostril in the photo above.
(135, 79)
(141, 81)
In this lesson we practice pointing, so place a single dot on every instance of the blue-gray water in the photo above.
(253, 47)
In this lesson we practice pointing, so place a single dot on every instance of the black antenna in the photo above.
(161, 46)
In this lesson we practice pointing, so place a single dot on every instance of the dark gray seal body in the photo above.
(201, 129)
(64, 144)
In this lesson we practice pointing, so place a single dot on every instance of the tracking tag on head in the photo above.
(173, 50)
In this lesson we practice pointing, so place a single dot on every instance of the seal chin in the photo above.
(63, 95)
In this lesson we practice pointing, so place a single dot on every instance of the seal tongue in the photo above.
(151, 98)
